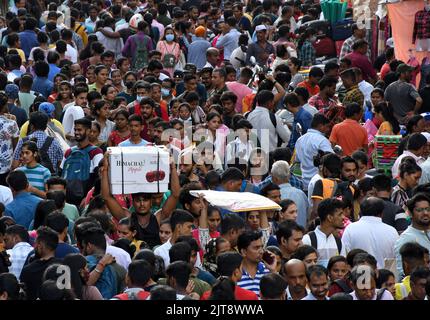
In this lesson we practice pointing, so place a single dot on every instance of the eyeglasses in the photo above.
(420, 210)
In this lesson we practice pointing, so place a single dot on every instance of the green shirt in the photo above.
(71, 212)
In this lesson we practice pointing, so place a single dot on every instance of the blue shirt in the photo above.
(53, 71)
(42, 85)
(299, 198)
(303, 118)
(28, 39)
(22, 208)
(128, 143)
(197, 52)
(253, 284)
(229, 42)
(307, 147)
(19, 113)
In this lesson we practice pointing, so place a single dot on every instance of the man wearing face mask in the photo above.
(44, 247)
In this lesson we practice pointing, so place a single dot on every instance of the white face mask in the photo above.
(427, 7)
(313, 39)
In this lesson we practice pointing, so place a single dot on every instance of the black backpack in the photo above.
(43, 153)
(314, 241)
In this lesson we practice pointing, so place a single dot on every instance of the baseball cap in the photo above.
(48, 108)
(390, 42)
(178, 74)
(260, 27)
(11, 91)
(401, 68)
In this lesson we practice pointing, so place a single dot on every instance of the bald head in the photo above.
(294, 266)
(372, 206)
(212, 52)
(295, 275)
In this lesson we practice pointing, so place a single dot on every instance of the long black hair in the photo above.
(387, 112)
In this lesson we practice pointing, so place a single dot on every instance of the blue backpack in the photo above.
(76, 171)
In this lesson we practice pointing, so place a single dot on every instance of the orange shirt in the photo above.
(312, 90)
(350, 135)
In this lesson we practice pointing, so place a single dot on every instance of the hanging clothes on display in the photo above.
(413, 62)
(421, 34)
(425, 71)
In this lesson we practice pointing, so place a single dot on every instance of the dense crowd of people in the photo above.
(238, 94)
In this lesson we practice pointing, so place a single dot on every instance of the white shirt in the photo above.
(385, 296)
(237, 53)
(163, 252)
(406, 153)
(311, 187)
(72, 113)
(267, 133)
(289, 297)
(6, 196)
(366, 89)
(121, 256)
(327, 246)
(72, 53)
(372, 235)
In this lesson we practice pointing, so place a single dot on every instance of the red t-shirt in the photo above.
(116, 139)
(239, 294)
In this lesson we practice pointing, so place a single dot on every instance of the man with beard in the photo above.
(295, 275)
(75, 111)
(419, 230)
(370, 233)
(75, 192)
(163, 135)
(403, 96)
(324, 237)
(44, 247)
(349, 169)
(318, 283)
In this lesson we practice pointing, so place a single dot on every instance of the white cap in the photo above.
(390, 42)
(427, 135)
(260, 27)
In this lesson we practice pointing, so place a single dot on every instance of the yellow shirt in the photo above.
(403, 288)
(385, 129)
(20, 52)
(24, 128)
(82, 31)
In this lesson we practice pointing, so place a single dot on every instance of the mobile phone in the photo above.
(267, 257)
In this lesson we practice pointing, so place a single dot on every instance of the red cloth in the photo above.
(362, 61)
(239, 294)
(116, 139)
(196, 234)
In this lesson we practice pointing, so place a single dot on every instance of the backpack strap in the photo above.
(47, 144)
(338, 244)
(274, 122)
(313, 237)
(342, 284)
(380, 293)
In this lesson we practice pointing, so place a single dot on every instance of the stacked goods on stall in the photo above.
(386, 152)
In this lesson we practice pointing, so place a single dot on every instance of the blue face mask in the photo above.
(138, 98)
(165, 92)
(170, 37)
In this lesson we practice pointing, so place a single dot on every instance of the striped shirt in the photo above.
(37, 176)
(399, 196)
(253, 284)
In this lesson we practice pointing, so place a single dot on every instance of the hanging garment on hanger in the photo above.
(421, 34)
(425, 71)
(413, 62)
